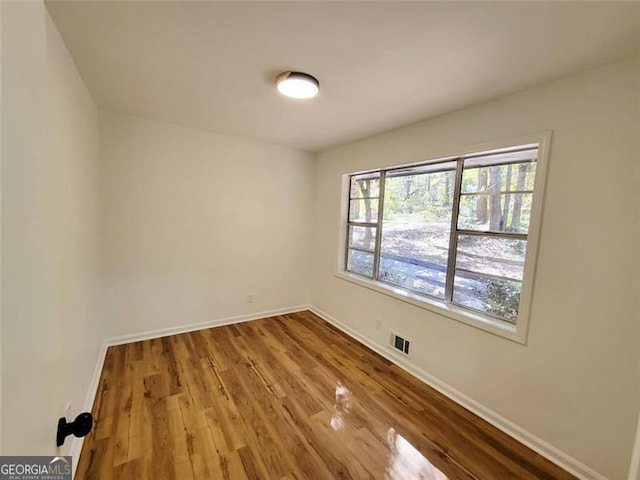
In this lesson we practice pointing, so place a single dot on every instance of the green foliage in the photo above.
(503, 298)
(421, 197)
(394, 277)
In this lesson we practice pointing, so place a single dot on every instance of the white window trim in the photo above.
(518, 332)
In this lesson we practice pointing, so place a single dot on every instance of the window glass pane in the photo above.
(413, 230)
(497, 297)
(363, 210)
(499, 178)
(509, 212)
(418, 276)
(420, 169)
(360, 262)
(365, 186)
(416, 229)
(362, 237)
(485, 160)
(495, 256)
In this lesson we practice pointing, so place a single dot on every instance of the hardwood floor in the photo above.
(287, 397)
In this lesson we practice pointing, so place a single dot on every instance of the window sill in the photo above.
(497, 327)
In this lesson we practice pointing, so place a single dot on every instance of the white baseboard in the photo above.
(76, 445)
(538, 445)
(164, 332)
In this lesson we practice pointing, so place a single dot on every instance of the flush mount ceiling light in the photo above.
(297, 85)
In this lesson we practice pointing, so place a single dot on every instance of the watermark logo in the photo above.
(35, 468)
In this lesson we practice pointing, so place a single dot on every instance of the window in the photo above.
(455, 233)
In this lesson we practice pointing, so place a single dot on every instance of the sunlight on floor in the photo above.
(407, 462)
(342, 406)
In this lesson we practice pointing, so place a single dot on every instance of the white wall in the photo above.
(193, 222)
(0, 234)
(576, 383)
(50, 271)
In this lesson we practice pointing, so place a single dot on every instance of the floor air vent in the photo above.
(400, 343)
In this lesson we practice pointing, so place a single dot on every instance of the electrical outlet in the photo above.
(249, 298)
(378, 323)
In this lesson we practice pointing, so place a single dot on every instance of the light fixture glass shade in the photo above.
(297, 85)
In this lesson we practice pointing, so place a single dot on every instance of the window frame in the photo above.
(486, 321)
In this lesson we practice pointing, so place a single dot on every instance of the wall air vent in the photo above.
(400, 343)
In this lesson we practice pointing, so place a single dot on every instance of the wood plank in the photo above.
(288, 397)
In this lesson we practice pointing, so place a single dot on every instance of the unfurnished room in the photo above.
(291, 240)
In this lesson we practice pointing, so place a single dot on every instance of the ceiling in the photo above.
(211, 65)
